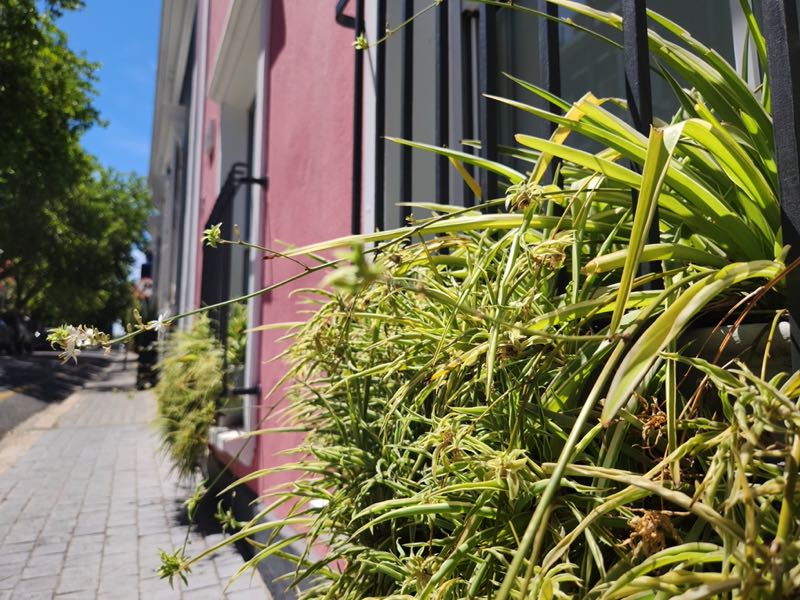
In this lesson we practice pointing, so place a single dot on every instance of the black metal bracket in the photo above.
(343, 19)
(262, 181)
(640, 98)
(253, 390)
(237, 176)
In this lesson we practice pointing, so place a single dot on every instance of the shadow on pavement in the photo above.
(42, 376)
(206, 523)
(30, 383)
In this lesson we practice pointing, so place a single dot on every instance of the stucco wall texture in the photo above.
(214, 22)
(307, 155)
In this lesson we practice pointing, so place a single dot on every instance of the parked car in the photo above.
(22, 338)
(40, 342)
(7, 343)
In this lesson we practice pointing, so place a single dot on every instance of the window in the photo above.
(586, 64)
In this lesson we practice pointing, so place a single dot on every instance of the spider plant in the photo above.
(189, 385)
(495, 411)
(189, 392)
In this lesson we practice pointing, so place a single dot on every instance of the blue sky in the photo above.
(121, 35)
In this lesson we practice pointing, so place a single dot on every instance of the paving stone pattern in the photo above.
(84, 512)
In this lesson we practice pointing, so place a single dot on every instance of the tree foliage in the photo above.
(67, 225)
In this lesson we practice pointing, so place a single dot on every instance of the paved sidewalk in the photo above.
(86, 502)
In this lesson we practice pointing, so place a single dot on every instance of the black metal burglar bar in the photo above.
(783, 63)
(358, 124)
(215, 285)
(639, 95)
(406, 107)
(783, 53)
(442, 100)
(380, 118)
(550, 76)
(487, 111)
(550, 73)
(549, 63)
(467, 105)
(356, 23)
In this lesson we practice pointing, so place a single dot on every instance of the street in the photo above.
(31, 382)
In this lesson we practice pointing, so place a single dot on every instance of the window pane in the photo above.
(518, 55)
(707, 21)
(424, 163)
(394, 12)
(592, 65)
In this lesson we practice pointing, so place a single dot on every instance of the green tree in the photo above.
(81, 273)
(67, 226)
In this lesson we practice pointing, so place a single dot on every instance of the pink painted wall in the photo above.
(214, 22)
(308, 158)
(308, 153)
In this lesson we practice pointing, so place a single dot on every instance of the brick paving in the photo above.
(86, 507)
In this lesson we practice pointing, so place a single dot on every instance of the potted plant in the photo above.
(188, 393)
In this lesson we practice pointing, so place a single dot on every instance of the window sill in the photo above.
(236, 443)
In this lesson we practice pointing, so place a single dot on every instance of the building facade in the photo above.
(267, 118)
(258, 95)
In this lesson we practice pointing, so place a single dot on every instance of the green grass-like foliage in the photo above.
(237, 335)
(438, 405)
(495, 407)
(187, 392)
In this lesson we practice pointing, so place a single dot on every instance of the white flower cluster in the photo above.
(72, 339)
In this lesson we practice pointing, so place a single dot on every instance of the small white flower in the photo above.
(85, 337)
(73, 335)
(159, 324)
(71, 339)
(72, 342)
(76, 338)
(69, 353)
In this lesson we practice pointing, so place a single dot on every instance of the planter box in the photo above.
(747, 344)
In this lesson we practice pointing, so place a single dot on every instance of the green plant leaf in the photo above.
(652, 252)
(659, 153)
(671, 323)
(512, 175)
